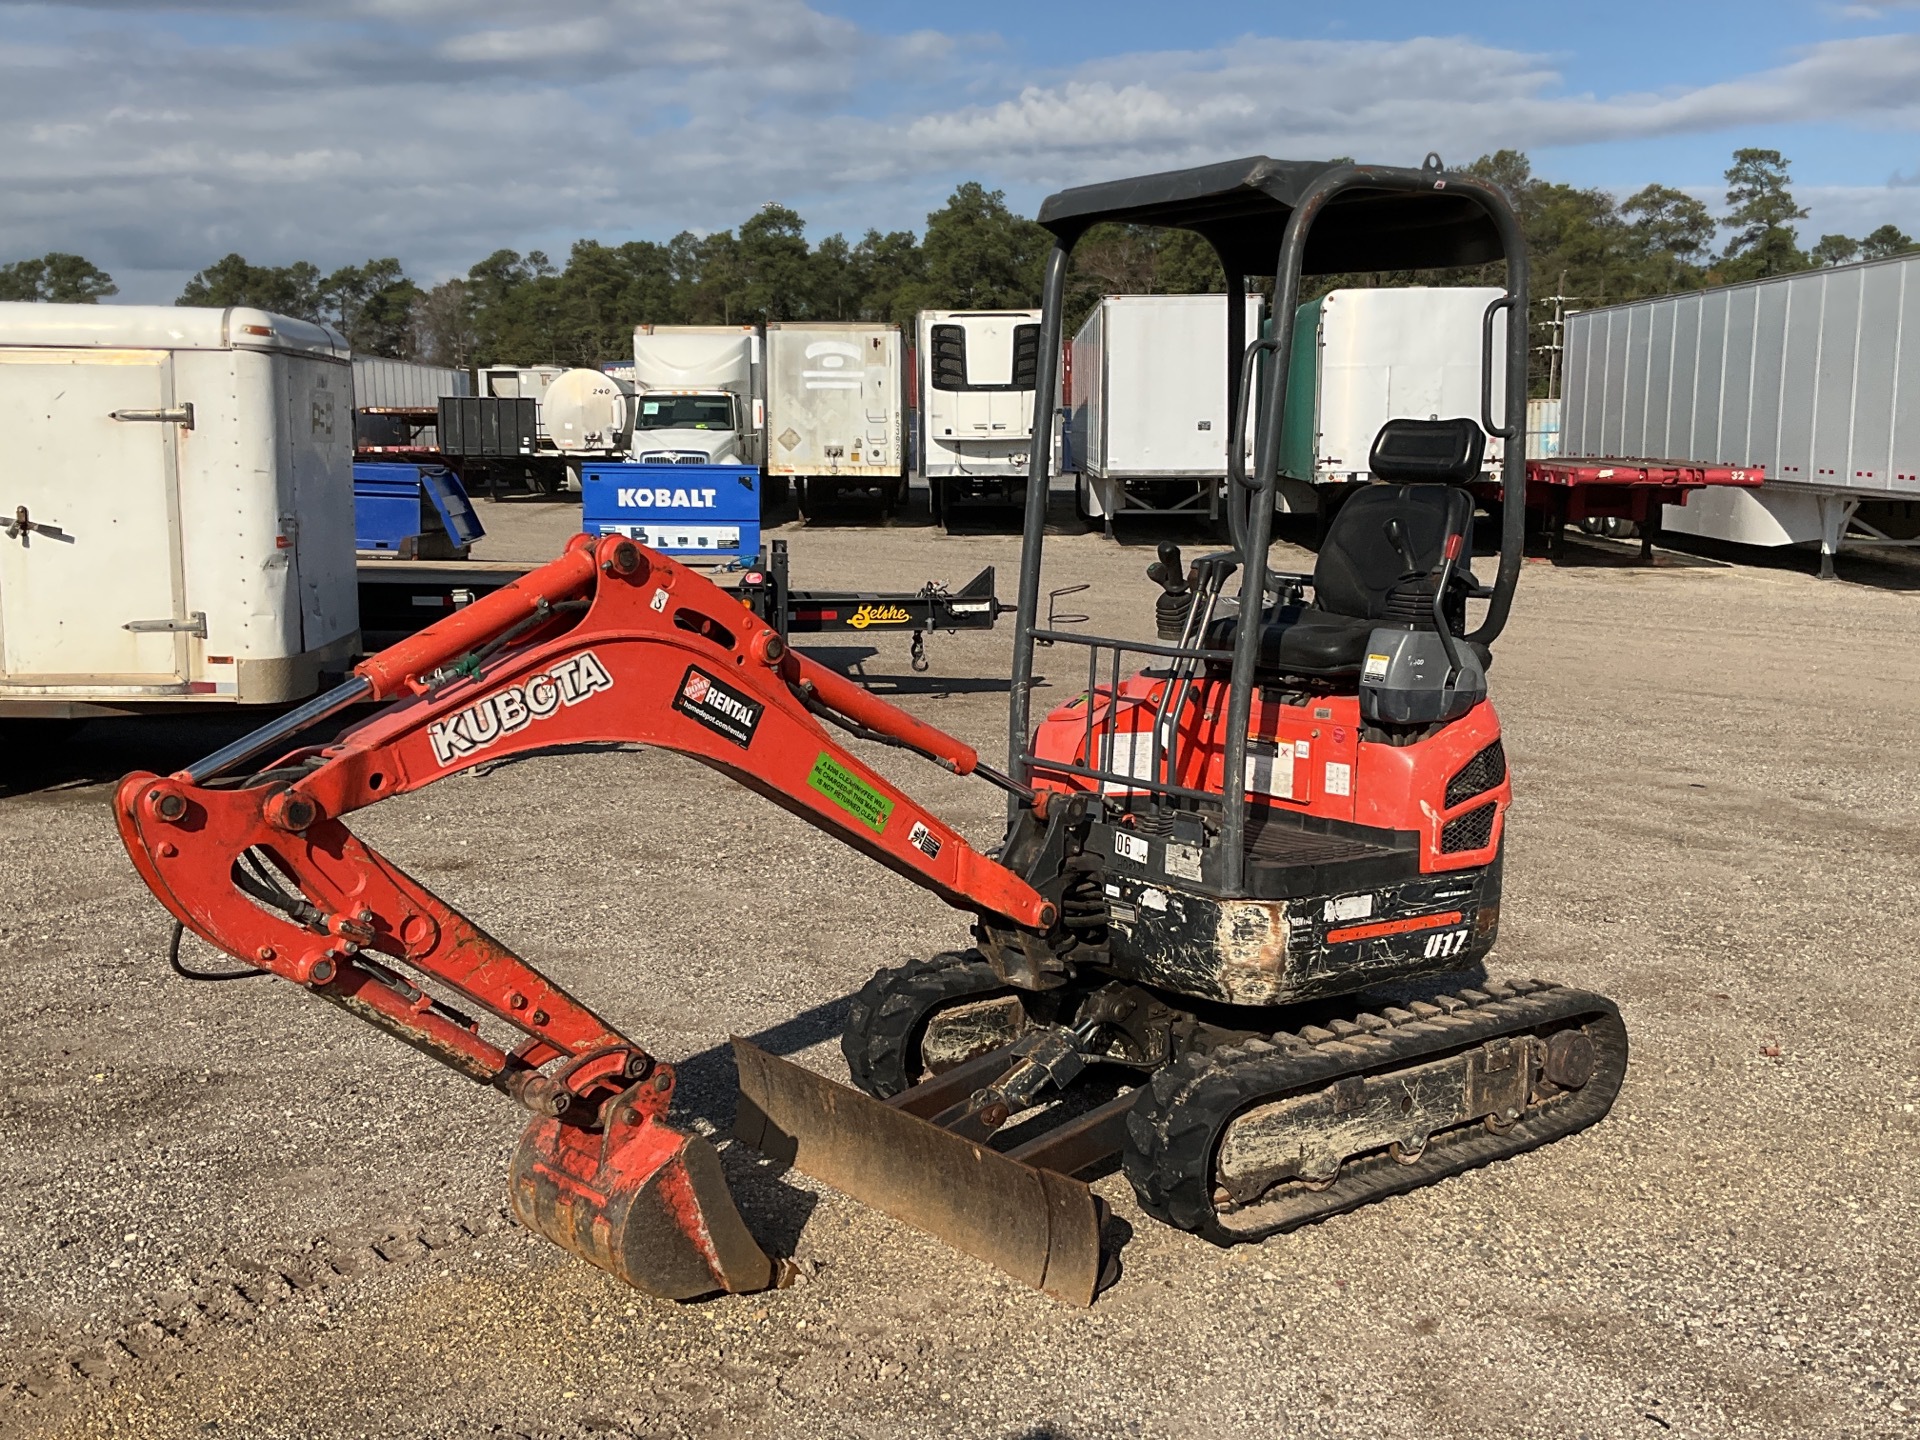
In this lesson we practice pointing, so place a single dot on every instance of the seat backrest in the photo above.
(1362, 560)
(1443, 452)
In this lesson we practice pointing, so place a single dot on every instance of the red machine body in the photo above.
(1306, 759)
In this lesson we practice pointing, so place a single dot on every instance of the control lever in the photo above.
(1174, 605)
(1397, 537)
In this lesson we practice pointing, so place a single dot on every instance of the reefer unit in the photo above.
(1364, 357)
(974, 400)
(836, 408)
(179, 487)
(1148, 414)
(1809, 376)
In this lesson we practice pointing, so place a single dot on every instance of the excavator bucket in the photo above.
(1040, 1226)
(645, 1202)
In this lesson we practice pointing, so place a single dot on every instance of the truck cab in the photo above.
(688, 427)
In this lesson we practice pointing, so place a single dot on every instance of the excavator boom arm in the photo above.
(612, 643)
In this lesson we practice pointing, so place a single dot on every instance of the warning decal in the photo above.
(850, 793)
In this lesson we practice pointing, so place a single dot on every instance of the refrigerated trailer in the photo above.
(836, 410)
(1809, 376)
(1147, 409)
(974, 404)
(177, 521)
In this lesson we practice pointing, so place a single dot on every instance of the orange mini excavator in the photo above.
(1295, 794)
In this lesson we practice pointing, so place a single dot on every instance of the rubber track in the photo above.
(884, 1021)
(1173, 1134)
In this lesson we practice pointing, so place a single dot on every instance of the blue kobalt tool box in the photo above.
(412, 511)
(692, 511)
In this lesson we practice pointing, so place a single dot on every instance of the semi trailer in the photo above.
(974, 398)
(1147, 409)
(836, 411)
(1808, 376)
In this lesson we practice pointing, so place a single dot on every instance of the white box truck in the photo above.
(176, 524)
(974, 397)
(1364, 357)
(836, 410)
(1147, 409)
(698, 395)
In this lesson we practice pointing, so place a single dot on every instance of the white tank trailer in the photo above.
(1807, 375)
(588, 413)
(836, 410)
(176, 526)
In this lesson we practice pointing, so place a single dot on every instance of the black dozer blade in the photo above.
(1040, 1227)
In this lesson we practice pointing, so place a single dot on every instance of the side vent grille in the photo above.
(1471, 831)
(1477, 776)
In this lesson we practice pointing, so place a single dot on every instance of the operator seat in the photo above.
(1378, 563)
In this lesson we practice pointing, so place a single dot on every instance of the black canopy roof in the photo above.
(1242, 207)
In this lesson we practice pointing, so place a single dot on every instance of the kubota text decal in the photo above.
(518, 706)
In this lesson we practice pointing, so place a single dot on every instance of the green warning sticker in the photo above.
(850, 793)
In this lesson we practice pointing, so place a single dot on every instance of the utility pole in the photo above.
(1555, 346)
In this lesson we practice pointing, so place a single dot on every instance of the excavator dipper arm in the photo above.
(610, 643)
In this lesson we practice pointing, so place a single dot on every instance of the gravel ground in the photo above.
(225, 1211)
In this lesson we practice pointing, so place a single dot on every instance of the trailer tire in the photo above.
(774, 493)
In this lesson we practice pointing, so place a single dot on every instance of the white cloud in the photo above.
(440, 130)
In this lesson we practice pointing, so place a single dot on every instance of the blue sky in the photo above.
(155, 137)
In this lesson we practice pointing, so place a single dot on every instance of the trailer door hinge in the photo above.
(177, 415)
(194, 624)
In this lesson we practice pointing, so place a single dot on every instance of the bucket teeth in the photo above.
(1041, 1227)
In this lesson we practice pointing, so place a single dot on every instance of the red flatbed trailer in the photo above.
(1567, 489)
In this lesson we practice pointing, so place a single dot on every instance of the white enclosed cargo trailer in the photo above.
(178, 508)
(1364, 357)
(974, 401)
(836, 410)
(1809, 376)
(1147, 412)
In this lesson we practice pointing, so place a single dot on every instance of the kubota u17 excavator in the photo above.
(1296, 794)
